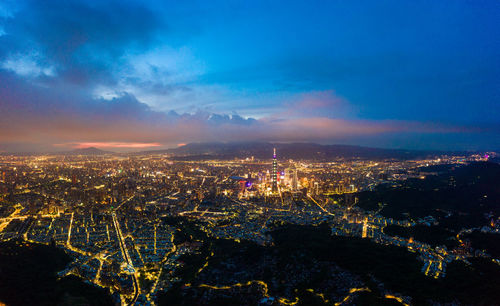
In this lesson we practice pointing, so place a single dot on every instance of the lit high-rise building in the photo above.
(274, 173)
(294, 179)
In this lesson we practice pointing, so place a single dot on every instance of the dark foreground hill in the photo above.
(308, 266)
(28, 276)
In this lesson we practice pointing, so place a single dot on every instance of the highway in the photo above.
(68, 242)
(127, 257)
(321, 207)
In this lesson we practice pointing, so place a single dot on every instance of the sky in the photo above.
(141, 75)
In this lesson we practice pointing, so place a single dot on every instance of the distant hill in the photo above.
(263, 150)
(82, 151)
(87, 151)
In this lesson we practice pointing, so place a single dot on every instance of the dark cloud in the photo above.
(82, 40)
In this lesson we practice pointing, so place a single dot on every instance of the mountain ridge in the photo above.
(85, 151)
(299, 150)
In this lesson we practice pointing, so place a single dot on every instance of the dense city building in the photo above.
(112, 212)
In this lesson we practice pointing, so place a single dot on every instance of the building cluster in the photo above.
(111, 212)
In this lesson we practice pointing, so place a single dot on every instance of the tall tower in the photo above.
(274, 173)
(294, 179)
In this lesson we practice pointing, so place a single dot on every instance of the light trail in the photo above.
(264, 285)
(320, 295)
(351, 291)
(397, 298)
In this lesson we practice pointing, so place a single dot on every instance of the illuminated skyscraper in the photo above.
(274, 173)
(294, 179)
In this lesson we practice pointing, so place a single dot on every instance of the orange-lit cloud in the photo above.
(128, 145)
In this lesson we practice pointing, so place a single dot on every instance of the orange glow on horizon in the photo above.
(181, 144)
(82, 145)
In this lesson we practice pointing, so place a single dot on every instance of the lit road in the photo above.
(127, 257)
(321, 207)
(68, 243)
(123, 202)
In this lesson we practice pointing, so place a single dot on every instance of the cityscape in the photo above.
(130, 222)
(249, 153)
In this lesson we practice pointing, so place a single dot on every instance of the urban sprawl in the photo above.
(108, 211)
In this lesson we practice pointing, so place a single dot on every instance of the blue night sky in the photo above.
(134, 75)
